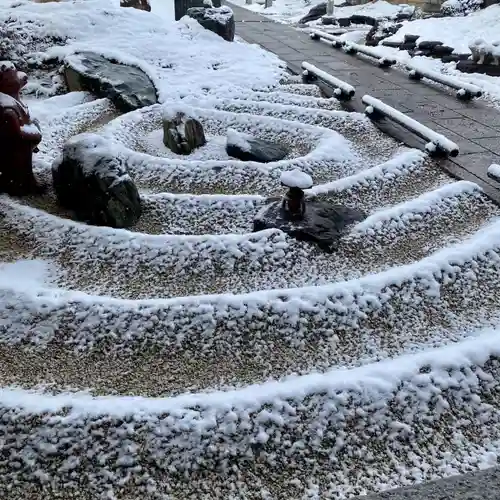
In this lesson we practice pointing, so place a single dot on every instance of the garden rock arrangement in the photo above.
(127, 87)
(94, 184)
(188, 356)
(319, 11)
(306, 220)
(220, 20)
(182, 134)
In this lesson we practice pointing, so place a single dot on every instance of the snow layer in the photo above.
(296, 178)
(494, 170)
(457, 32)
(201, 61)
(291, 11)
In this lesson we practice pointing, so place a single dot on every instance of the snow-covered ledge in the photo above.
(464, 90)
(342, 90)
(354, 48)
(323, 36)
(437, 143)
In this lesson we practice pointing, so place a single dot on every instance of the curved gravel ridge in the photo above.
(188, 357)
(363, 418)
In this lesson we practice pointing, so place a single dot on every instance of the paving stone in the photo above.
(478, 164)
(491, 144)
(468, 128)
(483, 115)
(465, 145)
(429, 110)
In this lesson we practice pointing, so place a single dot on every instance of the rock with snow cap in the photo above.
(315, 13)
(94, 184)
(182, 133)
(220, 20)
(136, 4)
(246, 147)
(306, 220)
(127, 86)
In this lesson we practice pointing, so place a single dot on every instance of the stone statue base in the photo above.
(322, 223)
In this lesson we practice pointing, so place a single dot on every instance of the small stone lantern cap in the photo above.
(296, 179)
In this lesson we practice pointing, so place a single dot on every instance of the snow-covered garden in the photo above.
(181, 354)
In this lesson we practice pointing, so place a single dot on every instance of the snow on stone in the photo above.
(296, 178)
(30, 128)
(102, 26)
(238, 139)
(494, 170)
(457, 32)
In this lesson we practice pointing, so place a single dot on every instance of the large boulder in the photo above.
(127, 86)
(360, 19)
(245, 147)
(315, 13)
(220, 20)
(182, 133)
(94, 184)
(136, 4)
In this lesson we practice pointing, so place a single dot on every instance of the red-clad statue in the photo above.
(19, 135)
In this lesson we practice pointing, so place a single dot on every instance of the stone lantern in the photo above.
(293, 203)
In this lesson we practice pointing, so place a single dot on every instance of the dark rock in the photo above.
(359, 19)
(455, 58)
(182, 134)
(344, 21)
(428, 45)
(328, 20)
(315, 13)
(408, 46)
(245, 147)
(181, 6)
(94, 184)
(136, 4)
(322, 223)
(411, 38)
(127, 86)
(419, 52)
(220, 20)
(371, 37)
(442, 50)
(404, 16)
(472, 67)
(391, 43)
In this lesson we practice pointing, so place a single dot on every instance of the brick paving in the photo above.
(474, 126)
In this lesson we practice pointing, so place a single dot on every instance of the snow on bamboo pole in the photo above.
(494, 171)
(354, 48)
(342, 89)
(437, 142)
(326, 37)
(464, 90)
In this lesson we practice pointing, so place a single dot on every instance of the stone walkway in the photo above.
(474, 126)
